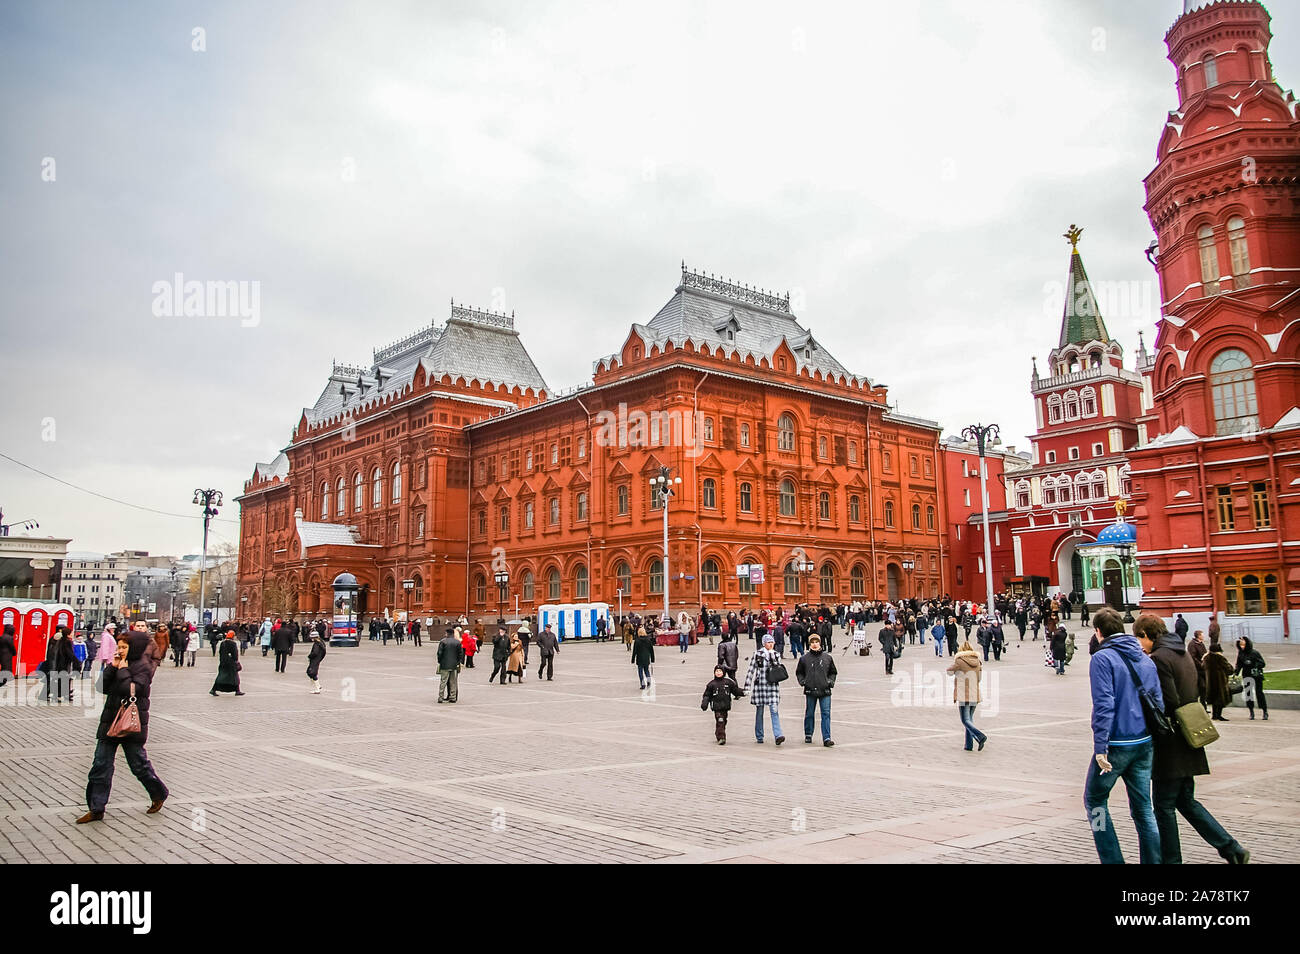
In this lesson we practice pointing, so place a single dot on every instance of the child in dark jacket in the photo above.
(718, 694)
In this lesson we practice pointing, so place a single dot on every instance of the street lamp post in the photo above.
(217, 616)
(908, 567)
(502, 578)
(663, 486)
(172, 574)
(806, 568)
(209, 500)
(243, 606)
(1125, 551)
(983, 434)
(408, 585)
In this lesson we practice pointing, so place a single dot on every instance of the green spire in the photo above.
(1082, 320)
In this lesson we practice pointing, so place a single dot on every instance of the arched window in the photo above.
(744, 435)
(417, 594)
(888, 461)
(419, 526)
(580, 580)
(787, 498)
(341, 505)
(855, 509)
(1054, 409)
(824, 505)
(710, 577)
(709, 498)
(582, 506)
(889, 513)
(657, 576)
(746, 498)
(1082, 488)
(528, 515)
(708, 429)
(929, 518)
(397, 481)
(623, 500)
(555, 454)
(1238, 254)
(821, 447)
(916, 516)
(1088, 396)
(1232, 387)
(480, 588)
(791, 578)
(785, 432)
(1125, 482)
(1049, 491)
(1071, 405)
(1211, 66)
(857, 580)
(325, 501)
(623, 573)
(528, 460)
(390, 592)
(377, 488)
(582, 448)
(1022, 494)
(553, 584)
(528, 586)
(1099, 489)
(826, 580)
(1063, 490)
(357, 495)
(853, 452)
(1209, 260)
(504, 517)
(555, 511)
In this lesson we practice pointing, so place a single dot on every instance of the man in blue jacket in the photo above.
(1122, 746)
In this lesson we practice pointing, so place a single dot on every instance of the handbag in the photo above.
(1235, 685)
(777, 673)
(1158, 723)
(127, 720)
(1195, 725)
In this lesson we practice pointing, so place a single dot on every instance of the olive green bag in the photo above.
(1195, 725)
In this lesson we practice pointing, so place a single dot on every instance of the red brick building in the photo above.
(1086, 408)
(447, 459)
(1215, 485)
(965, 530)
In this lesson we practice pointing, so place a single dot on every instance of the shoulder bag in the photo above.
(776, 672)
(127, 720)
(1195, 725)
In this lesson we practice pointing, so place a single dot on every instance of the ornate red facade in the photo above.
(447, 460)
(1215, 484)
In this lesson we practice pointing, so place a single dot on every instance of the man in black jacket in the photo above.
(889, 637)
(282, 641)
(816, 673)
(500, 654)
(548, 645)
(1176, 764)
(451, 655)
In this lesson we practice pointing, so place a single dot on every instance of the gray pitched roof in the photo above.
(473, 344)
(705, 310)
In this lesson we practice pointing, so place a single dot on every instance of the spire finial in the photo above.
(1072, 236)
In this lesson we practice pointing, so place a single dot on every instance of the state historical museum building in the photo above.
(448, 460)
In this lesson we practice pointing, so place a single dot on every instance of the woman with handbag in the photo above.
(763, 684)
(125, 722)
(228, 667)
(1250, 666)
(1217, 671)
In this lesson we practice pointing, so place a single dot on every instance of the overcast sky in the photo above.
(905, 169)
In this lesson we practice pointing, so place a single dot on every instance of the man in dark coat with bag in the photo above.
(1176, 763)
(282, 641)
(127, 680)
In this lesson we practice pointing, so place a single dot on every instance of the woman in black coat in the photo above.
(7, 653)
(129, 674)
(313, 661)
(1057, 634)
(228, 667)
(1250, 666)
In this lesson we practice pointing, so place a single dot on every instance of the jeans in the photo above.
(683, 641)
(643, 673)
(811, 705)
(1177, 796)
(796, 646)
(967, 713)
(100, 782)
(1133, 764)
(758, 721)
(938, 647)
(1060, 666)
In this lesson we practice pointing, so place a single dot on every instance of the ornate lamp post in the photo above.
(217, 616)
(663, 486)
(806, 568)
(908, 566)
(502, 578)
(209, 500)
(984, 434)
(408, 585)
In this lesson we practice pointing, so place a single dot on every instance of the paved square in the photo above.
(589, 768)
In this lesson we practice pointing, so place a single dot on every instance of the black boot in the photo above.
(1251, 707)
(1265, 715)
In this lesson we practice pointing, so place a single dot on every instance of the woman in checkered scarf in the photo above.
(764, 694)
